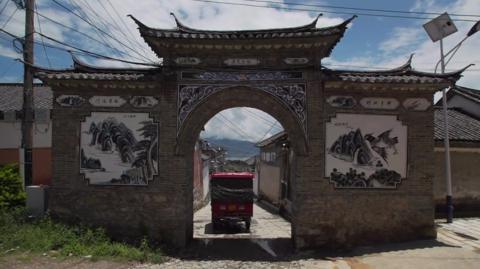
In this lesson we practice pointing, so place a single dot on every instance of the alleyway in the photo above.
(265, 225)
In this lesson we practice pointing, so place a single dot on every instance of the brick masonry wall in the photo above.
(126, 211)
(325, 216)
(321, 214)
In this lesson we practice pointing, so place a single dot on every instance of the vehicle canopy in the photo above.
(231, 187)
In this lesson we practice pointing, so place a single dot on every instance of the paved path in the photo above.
(457, 247)
(264, 226)
(464, 232)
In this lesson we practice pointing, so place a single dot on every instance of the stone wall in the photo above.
(321, 215)
(325, 216)
(157, 210)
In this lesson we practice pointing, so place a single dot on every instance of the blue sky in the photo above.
(370, 42)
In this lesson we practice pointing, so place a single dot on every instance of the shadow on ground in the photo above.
(281, 249)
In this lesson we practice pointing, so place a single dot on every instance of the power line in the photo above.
(240, 131)
(43, 42)
(5, 6)
(99, 34)
(81, 33)
(107, 34)
(116, 24)
(9, 18)
(79, 50)
(269, 130)
(326, 11)
(259, 116)
(362, 9)
(96, 54)
(126, 27)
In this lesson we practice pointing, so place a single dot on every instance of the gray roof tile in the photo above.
(11, 97)
(461, 127)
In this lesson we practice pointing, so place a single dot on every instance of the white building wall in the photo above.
(10, 135)
(206, 178)
(42, 135)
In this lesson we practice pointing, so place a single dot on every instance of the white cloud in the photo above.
(395, 50)
(243, 124)
(402, 39)
(9, 52)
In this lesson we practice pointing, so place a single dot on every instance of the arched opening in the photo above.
(281, 147)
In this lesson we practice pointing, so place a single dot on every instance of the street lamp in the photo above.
(437, 30)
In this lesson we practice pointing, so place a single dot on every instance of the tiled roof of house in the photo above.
(461, 127)
(468, 93)
(11, 97)
(271, 139)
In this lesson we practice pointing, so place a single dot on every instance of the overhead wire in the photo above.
(77, 50)
(82, 33)
(9, 18)
(258, 116)
(362, 9)
(4, 6)
(269, 130)
(43, 42)
(117, 26)
(126, 27)
(97, 55)
(98, 33)
(234, 126)
(325, 11)
(104, 32)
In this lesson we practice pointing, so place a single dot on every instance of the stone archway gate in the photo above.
(123, 138)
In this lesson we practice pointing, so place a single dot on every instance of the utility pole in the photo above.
(27, 117)
(438, 29)
(446, 142)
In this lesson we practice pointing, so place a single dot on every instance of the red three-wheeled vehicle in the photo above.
(231, 197)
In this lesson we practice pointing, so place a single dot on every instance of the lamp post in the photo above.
(438, 29)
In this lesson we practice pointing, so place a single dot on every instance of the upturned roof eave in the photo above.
(393, 75)
(182, 28)
(183, 33)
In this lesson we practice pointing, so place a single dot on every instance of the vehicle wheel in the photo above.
(247, 225)
(216, 224)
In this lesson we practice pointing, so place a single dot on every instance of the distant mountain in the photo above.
(236, 149)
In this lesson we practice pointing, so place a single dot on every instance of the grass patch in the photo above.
(18, 234)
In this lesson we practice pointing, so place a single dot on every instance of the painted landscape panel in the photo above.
(365, 151)
(119, 148)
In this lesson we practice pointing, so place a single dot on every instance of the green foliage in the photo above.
(17, 234)
(11, 188)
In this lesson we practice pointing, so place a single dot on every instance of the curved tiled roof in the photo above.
(185, 32)
(402, 74)
(84, 71)
(184, 40)
(461, 127)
